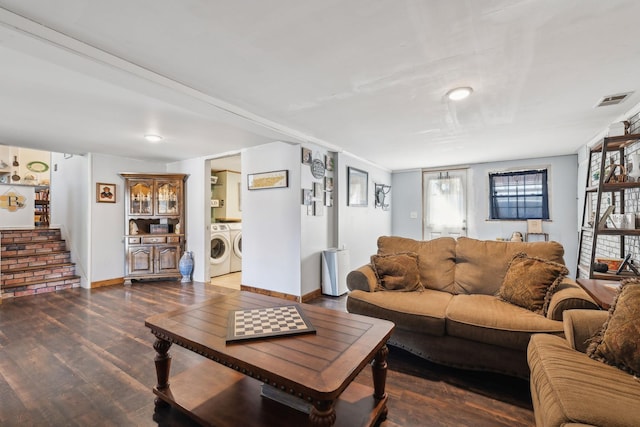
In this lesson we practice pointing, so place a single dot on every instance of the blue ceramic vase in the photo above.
(186, 266)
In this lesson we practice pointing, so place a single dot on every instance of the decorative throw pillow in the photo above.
(397, 272)
(617, 343)
(530, 282)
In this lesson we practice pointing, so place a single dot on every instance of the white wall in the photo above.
(197, 212)
(271, 229)
(70, 208)
(406, 188)
(360, 227)
(563, 174)
(581, 183)
(20, 217)
(315, 232)
(282, 244)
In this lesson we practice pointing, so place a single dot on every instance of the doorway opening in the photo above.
(226, 217)
(444, 203)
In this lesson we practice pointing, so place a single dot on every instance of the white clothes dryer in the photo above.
(235, 234)
(220, 250)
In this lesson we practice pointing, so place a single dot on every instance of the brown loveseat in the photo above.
(568, 388)
(457, 320)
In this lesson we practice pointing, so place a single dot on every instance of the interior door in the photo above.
(444, 203)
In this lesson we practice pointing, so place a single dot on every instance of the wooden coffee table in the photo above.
(312, 373)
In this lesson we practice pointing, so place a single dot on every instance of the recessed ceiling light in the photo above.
(459, 93)
(153, 138)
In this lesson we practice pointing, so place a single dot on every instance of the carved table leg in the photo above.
(323, 414)
(163, 366)
(379, 371)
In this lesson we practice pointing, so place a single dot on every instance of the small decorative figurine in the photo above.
(516, 236)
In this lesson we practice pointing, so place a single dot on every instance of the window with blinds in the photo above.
(519, 195)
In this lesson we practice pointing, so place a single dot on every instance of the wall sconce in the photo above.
(381, 191)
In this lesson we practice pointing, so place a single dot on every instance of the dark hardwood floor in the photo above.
(85, 358)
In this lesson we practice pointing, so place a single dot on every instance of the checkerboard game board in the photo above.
(267, 322)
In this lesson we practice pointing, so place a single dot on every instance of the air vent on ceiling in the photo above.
(613, 99)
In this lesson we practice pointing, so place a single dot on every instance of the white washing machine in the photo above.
(220, 250)
(235, 234)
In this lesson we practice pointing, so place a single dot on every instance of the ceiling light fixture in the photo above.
(153, 138)
(459, 93)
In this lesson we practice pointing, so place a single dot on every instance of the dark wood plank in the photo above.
(603, 292)
(80, 357)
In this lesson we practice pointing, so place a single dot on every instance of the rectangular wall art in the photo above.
(275, 179)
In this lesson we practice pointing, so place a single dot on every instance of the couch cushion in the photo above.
(618, 342)
(397, 272)
(530, 282)
(436, 258)
(486, 318)
(415, 311)
(568, 387)
(482, 264)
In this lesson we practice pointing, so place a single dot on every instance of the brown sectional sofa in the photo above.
(568, 388)
(457, 320)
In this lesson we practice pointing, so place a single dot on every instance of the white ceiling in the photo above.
(367, 77)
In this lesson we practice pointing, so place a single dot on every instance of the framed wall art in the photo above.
(264, 180)
(358, 187)
(328, 183)
(328, 162)
(307, 196)
(307, 157)
(328, 199)
(105, 193)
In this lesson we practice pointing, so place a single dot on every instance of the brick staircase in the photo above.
(34, 261)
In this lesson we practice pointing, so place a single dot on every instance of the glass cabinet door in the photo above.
(167, 197)
(140, 198)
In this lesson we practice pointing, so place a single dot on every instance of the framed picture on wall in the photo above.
(328, 198)
(328, 183)
(317, 190)
(105, 193)
(328, 162)
(358, 181)
(307, 157)
(307, 196)
(275, 179)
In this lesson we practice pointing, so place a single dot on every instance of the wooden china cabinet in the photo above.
(154, 224)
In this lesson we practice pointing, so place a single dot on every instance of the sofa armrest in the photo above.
(569, 296)
(581, 325)
(363, 279)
